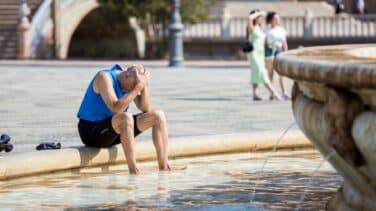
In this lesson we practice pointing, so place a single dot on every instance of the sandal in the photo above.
(257, 98)
(286, 97)
(274, 97)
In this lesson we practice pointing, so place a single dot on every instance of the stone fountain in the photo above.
(334, 104)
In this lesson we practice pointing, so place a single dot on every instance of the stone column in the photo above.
(140, 36)
(225, 23)
(308, 23)
(24, 32)
(176, 36)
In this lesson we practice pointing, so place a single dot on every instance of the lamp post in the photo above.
(176, 38)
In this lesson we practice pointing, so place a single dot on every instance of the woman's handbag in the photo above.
(247, 47)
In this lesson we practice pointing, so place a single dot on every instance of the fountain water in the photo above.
(269, 155)
(204, 185)
(309, 184)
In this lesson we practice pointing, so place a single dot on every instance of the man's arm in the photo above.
(143, 101)
(103, 86)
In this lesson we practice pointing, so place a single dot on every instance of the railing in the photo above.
(209, 29)
(297, 27)
(345, 26)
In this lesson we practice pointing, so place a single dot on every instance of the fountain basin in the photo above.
(214, 182)
(220, 173)
(334, 103)
(42, 162)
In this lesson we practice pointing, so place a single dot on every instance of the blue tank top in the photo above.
(93, 108)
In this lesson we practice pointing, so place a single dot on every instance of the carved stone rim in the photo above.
(338, 65)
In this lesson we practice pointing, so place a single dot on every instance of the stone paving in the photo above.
(39, 102)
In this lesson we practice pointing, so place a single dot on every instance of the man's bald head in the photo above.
(135, 70)
(131, 75)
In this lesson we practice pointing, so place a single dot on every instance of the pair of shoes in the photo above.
(257, 98)
(274, 97)
(286, 97)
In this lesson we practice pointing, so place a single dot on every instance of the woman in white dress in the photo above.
(276, 43)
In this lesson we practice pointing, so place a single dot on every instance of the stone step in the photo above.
(6, 11)
(17, 2)
(9, 18)
(11, 44)
(8, 44)
(8, 22)
(8, 40)
(8, 56)
(5, 34)
(9, 7)
(8, 27)
(7, 37)
(8, 53)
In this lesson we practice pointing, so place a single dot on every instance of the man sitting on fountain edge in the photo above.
(104, 120)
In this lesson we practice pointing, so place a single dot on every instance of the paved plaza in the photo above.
(39, 102)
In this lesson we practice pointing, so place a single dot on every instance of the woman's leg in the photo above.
(273, 93)
(283, 87)
(269, 67)
(254, 92)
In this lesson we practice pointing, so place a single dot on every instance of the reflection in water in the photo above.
(223, 182)
(163, 188)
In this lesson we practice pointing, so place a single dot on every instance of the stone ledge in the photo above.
(331, 65)
(40, 162)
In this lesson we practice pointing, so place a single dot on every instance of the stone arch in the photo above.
(113, 40)
(70, 17)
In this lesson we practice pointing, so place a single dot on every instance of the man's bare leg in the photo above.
(123, 125)
(157, 120)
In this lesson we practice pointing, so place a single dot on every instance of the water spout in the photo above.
(269, 155)
(326, 158)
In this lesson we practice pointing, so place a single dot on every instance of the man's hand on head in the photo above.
(140, 79)
(141, 88)
(142, 72)
(140, 84)
(147, 75)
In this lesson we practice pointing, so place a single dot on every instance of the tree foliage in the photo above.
(106, 33)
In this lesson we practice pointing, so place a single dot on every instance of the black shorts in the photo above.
(101, 134)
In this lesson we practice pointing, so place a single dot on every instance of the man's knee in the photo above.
(125, 119)
(159, 116)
